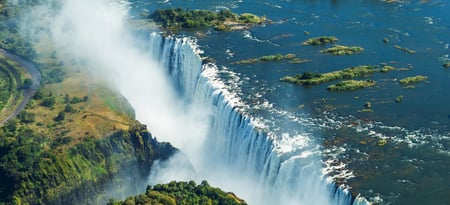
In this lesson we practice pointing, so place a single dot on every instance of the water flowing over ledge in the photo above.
(287, 169)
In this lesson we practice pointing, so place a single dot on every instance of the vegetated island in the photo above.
(343, 50)
(312, 78)
(224, 20)
(321, 40)
(404, 49)
(270, 58)
(182, 193)
(411, 80)
(399, 99)
(447, 65)
(348, 85)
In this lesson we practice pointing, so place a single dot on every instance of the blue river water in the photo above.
(398, 153)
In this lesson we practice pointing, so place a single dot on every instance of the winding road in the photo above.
(27, 93)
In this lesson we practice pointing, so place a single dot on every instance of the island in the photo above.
(404, 49)
(343, 50)
(311, 78)
(348, 85)
(321, 40)
(268, 58)
(411, 80)
(399, 99)
(223, 20)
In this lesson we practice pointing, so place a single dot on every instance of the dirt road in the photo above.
(27, 93)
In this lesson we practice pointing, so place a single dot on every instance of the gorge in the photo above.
(237, 125)
(186, 103)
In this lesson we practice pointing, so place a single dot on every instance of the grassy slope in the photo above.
(104, 112)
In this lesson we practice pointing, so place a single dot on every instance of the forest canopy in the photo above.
(182, 193)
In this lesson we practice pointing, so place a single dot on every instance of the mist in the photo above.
(95, 33)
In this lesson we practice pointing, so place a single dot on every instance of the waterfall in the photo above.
(238, 147)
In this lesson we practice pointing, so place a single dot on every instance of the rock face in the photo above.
(81, 174)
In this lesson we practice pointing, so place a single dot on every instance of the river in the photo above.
(413, 166)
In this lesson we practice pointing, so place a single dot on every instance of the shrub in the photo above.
(26, 117)
(60, 117)
(399, 98)
(27, 83)
(222, 27)
(48, 102)
(69, 108)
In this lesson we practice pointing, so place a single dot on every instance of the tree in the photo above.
(48, 102)
(27, 83)
(69, 108)
(11, 125)
(39, 94)
(60, 117)
(26, 117)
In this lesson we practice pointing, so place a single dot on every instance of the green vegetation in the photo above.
(5, 87)
(182, 193)
(64, 149)
(382, 142)
(386, 69)
(222, 20)
(276, 57)
(60, 117)
(298, 60)
(310, 78)
(10, 37)
(250, 18)
(399, 98)
(54, 76)
(11, 85)
(320, 40)
(410, 51)
(27, 83)
(348, 85)
(410, 80)
(26, 117)
(48, 102)
(343, 50)
(31, 164)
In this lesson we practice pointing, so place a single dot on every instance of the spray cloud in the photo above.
(95, 33)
